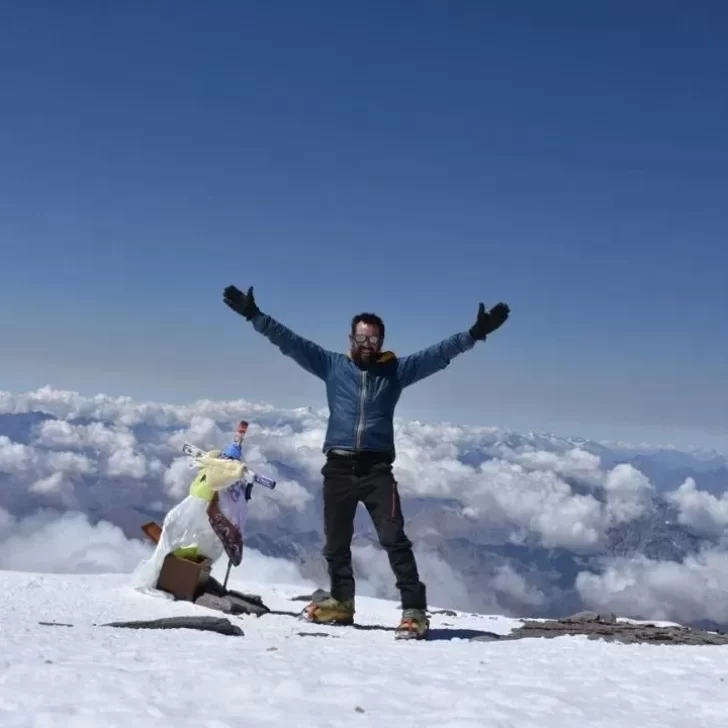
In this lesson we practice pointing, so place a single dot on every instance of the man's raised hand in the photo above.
(488, 321)
(242, 303)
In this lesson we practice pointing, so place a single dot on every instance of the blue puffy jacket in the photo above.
(362, 401)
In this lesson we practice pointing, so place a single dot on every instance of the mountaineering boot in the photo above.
(414, 625)
(329, 611)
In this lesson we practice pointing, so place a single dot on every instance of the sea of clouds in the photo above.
(79, 475)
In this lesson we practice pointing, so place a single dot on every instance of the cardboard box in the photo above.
(184, 578)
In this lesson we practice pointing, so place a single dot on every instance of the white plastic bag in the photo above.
(187, 526)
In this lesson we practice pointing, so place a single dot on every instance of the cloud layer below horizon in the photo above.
(78, 475)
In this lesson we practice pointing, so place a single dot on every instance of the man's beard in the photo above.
(362, 355)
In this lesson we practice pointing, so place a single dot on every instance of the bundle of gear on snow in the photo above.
(210, 520)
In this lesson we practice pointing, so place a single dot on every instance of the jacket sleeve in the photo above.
(424, 363)
(307, 354)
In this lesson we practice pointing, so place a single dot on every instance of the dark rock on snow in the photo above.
(316, 596)
(607, 627)
(229, 601)
(220, 625)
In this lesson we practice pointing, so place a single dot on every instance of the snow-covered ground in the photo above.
(101, 677)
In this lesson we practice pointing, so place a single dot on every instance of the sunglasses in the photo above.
(372, 340)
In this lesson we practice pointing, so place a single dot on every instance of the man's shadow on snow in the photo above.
(436, 634)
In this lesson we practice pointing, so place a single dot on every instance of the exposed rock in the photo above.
(230, 601)
(206, 624)
(488, 637)
(607, 627)
(606, 618)
(221, 604)
(317, 596)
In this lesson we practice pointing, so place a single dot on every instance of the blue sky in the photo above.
(411, 159)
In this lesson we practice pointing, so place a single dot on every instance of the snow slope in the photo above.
(88, 676)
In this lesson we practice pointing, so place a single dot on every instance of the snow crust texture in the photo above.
(284, 672)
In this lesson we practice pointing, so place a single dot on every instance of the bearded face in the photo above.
(365, 343)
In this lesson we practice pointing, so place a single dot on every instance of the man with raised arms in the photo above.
(363, 387)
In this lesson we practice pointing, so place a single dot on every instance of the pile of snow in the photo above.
(89, 675)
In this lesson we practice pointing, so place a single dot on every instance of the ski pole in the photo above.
(227, 574)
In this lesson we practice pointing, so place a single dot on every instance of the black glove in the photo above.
(489, 321)
(242, 303)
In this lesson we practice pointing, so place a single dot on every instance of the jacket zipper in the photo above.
(360, 426)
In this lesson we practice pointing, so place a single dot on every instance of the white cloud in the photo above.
(702, 512)
(58, 433)
(99, 436)
(69, 462)
(575, 462)
(515, 487)
(127, 462)
(292, 494)
(56, 489)
(510, 583)
(47, 542)
(629, 493)
(66, 544)
(15, 457)
(177, 478)
(444, 586)
(258, 567)
(51, 484)
(661, 590)
(114, 456)
(203, 431)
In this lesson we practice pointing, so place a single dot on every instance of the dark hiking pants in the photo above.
(366, 478)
